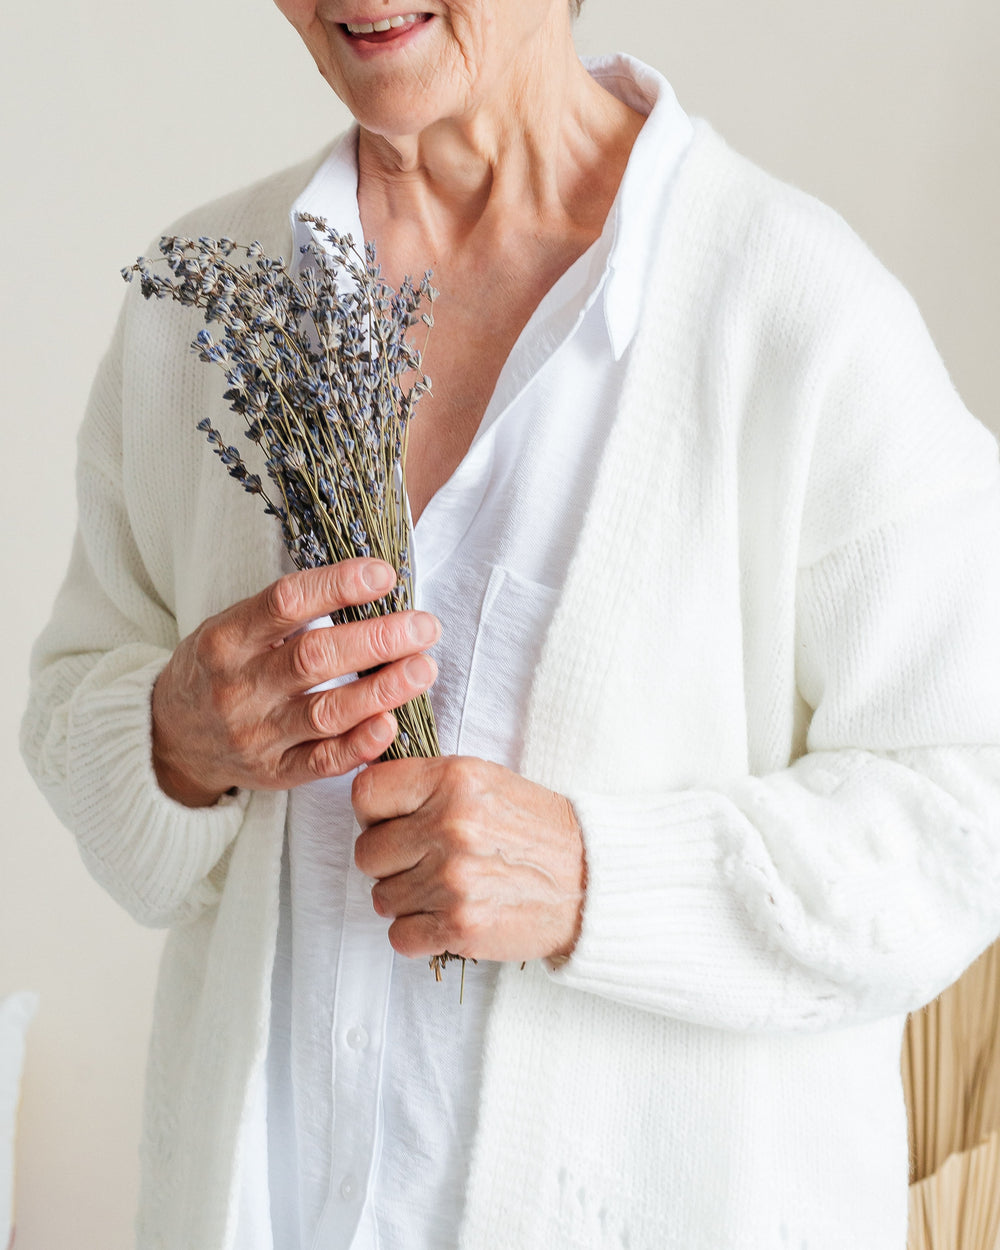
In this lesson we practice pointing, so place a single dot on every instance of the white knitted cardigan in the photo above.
(771, 688)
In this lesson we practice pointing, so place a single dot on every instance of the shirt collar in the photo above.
(331, 194)
(630, 234)
(634, 221)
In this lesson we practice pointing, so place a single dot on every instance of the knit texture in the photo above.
(771, 689)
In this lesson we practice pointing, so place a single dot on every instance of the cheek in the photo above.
(487, 45)
(299, 12)
(315, 31)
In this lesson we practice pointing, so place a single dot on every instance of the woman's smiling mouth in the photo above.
(384, 29)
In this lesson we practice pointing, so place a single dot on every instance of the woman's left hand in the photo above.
(470, 858)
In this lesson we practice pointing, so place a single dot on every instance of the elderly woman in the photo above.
(707, 559)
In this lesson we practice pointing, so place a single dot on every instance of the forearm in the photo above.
(86, 733)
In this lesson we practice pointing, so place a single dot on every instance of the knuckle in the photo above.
(463, 776)
(283, 599)
(382, 637)
(316, 721)
(387, 688)
(325, 759)
(307, 656)
(464, 922)
(456, 879)
(211, 647)
(460, 824)
(321, 716)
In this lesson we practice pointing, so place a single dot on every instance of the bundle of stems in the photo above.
(951, 1077)
(321, 368)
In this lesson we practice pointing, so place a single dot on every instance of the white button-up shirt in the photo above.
(374, 1069)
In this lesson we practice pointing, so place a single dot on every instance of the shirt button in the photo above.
(348, 1188)
(357, 1038)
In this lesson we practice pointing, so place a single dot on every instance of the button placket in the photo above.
(358, 1036)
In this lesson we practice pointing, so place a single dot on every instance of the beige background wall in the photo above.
(119, 115)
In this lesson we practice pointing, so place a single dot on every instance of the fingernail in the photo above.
(383, 729)
(378, 576)
(420, 670)
(424, 628)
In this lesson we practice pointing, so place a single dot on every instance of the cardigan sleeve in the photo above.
(86, 734)
(856, 883)
(860, 880)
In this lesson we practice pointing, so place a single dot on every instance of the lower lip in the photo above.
(384, 40)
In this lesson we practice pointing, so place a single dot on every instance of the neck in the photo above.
(546, 147)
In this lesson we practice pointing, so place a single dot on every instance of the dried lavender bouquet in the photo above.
(317, 366)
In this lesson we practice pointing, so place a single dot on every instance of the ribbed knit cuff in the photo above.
(848, 886)
(663, 927)
(151, 853)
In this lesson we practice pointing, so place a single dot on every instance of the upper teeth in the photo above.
(385, 23)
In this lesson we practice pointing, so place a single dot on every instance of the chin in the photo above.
(388, 112)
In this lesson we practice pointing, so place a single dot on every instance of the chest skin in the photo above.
(484, 304)
(492, 267)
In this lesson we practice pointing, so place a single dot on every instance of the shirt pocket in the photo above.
(514, 617)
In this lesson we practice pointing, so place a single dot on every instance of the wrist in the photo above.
(182, 789)
(578, 857)
(171, 776)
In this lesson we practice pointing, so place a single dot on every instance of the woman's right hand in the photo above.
(232, 708)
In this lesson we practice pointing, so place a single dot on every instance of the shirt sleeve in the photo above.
(860, 880)
(86, 733)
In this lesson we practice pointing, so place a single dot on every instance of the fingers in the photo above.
(335, 731)
(414, 841)
(318, 655)
(455, 888)
(329, 713)
(332, 757)
(298, 598)
(424, 935)
(395, 788)
(464, 785)
(231, 707)
(434, 907)
(471, 858)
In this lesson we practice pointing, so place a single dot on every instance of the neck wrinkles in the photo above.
(535, 149)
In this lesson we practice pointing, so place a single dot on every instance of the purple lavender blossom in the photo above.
(325, 378)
